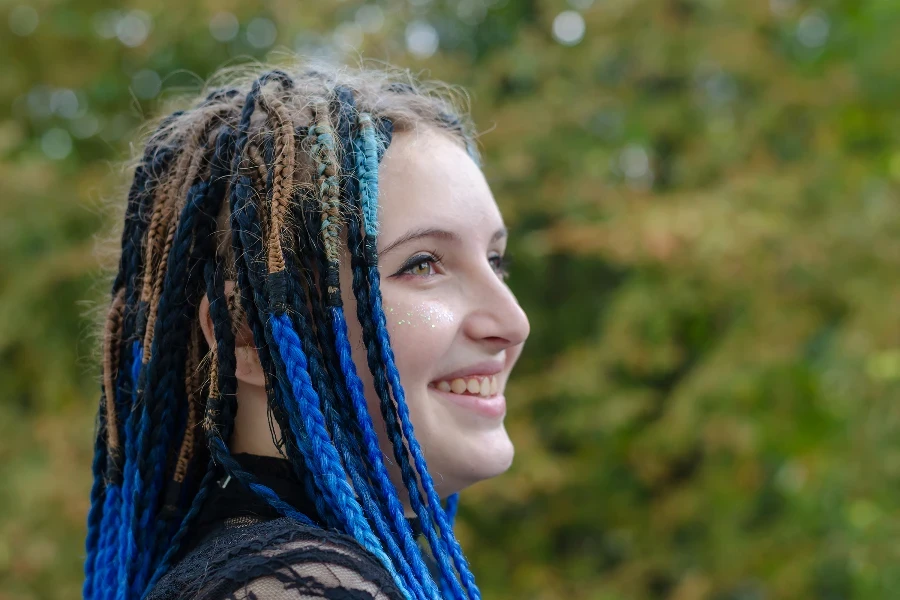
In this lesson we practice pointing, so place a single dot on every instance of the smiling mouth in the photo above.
(483, 387)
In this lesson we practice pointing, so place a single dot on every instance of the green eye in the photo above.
(422, 267)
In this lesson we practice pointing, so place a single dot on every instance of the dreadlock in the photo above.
(259, 188)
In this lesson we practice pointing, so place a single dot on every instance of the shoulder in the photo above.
(276, 560)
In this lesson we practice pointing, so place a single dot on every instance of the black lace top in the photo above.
(240, 548)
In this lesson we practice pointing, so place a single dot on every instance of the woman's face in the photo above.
(456, 329)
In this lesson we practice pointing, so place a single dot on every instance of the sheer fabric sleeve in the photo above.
(278, 560)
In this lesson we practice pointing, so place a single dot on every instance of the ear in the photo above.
(249, 369)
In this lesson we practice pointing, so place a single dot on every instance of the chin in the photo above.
(486, 460)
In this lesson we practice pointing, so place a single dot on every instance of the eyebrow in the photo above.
(432, 232)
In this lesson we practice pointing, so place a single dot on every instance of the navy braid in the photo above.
(361, 255)
(369, 198)
(304, 409)
(389, 502)
(225, 403)
(203, 248)
(98, 497)
(241, 199)
(247, 244)
(164, 372)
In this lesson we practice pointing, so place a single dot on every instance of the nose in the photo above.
(495, 318)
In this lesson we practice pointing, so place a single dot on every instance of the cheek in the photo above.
(422, 333)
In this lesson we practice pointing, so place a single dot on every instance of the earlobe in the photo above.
(248, 367)
(206, 323)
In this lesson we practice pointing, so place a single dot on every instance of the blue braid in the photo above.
(109, 527)
(389, 500)
(126, 543)
(322, 453)
(323, 151)
(98, 499)
(164, 370)
(367, 158)
(337, 422)
(370, 197)
(388, 492)
(354, 453)
(247, 244)
(227, 397)
(452, 508)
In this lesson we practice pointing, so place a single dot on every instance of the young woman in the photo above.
(310, 307)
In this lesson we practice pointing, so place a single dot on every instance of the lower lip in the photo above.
(493, 407)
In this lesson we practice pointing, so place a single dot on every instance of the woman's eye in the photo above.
(501, 265)
(421, 268)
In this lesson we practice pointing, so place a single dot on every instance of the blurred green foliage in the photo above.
(703, 196)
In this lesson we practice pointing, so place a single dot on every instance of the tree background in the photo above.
(703, 198)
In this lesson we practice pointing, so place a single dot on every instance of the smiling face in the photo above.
(455, 327)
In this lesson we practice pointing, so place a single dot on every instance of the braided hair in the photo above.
(258, 183)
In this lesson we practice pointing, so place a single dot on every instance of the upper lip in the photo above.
(486, 368)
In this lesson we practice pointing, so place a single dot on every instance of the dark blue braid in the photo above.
(225, 403)
(369, 197)
(204, 248)
(247, 245)
(304, 405)
(389, 502)
(242, 193)
(321, 453)
(144, 467)
(165, 374)
(328, 384)
(98, 497)
(127, 545)
(361, 254)
(116, 574)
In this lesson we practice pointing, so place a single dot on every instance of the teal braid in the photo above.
(387, 357)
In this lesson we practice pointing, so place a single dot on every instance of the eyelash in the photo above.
(502, 267)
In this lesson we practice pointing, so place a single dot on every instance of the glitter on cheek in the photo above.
(407, 321)
(433, 314)
(428, 315)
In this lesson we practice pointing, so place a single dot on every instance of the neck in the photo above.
(252, 434)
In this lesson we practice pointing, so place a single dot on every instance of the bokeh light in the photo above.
(421, 39)
(133, 28)
(23, 20)
(56, 143)
(568, 27)
(261, 32)
(146, 84)
(224, 26)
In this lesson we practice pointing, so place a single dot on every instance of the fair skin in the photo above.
(452, 322)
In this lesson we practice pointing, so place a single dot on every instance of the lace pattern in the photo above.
(250, 559)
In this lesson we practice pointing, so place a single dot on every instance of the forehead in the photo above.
(426, 179)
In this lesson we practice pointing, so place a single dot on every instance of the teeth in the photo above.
(481, 386)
